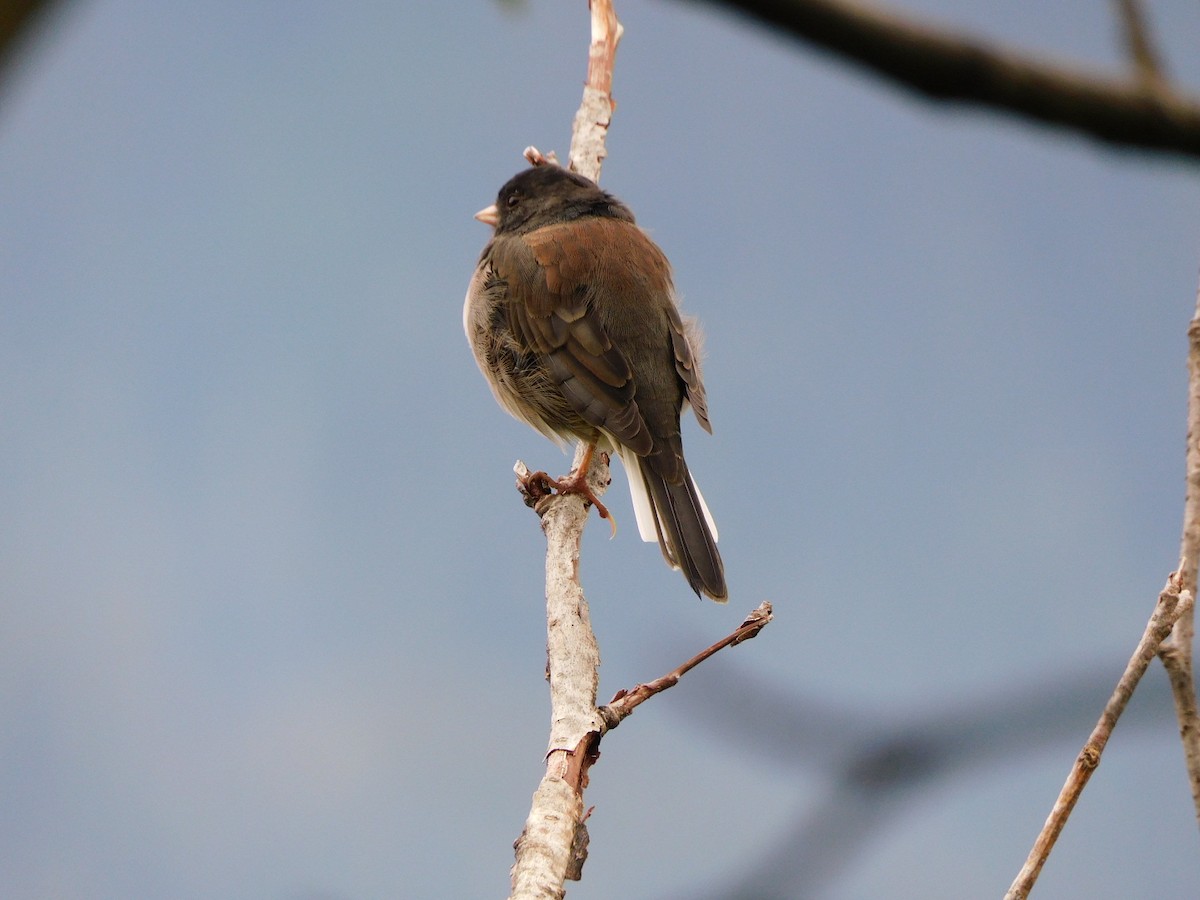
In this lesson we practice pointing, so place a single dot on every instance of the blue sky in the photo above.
(272, 609)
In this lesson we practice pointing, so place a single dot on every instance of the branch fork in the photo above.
(553, 845)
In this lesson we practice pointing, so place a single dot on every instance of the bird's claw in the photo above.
(537, 485)
(534, 486)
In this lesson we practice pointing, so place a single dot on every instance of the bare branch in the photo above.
(1146, 64)
(553, 845)
(1176, 652)
(1176, 656)
(1189, 549)
(546, 851)
(595, 112)
(943, 65)
(624, 703)
(1173, 602)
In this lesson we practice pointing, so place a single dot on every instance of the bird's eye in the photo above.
(513, 200)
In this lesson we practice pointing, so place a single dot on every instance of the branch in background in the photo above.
(1146, 63)
(17, 19)
(1176, 652)
(943, 65)
(1173, 602)
(874, 768)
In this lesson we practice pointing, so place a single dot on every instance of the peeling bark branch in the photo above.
(553, 844)
(595, 112)
(546, 851)
(1173, 603)
(943, 65)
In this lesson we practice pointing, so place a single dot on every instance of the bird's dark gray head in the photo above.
(549, 195)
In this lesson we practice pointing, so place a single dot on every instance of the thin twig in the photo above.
(941, 64)
(590, 128)
(1147, 66)
(1172, 603)
(624, 702)
(1176, 652)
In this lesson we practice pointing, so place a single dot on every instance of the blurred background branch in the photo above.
(876, 767)
(944, 65)
(18, 19)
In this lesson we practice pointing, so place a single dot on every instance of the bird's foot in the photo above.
(536, 485)
(576, 483)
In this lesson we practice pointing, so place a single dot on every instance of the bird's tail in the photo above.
(677, 517)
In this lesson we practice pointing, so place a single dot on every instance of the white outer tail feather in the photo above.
(642, 508)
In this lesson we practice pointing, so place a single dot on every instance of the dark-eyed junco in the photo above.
(573, 320)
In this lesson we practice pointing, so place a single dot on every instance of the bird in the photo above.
(573, 319)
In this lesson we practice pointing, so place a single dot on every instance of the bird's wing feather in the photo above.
(688, 368)
(564, 327)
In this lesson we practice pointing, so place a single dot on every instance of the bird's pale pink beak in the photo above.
(489, 215)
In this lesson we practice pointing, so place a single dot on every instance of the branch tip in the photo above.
(755, 622)
(536, 157)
